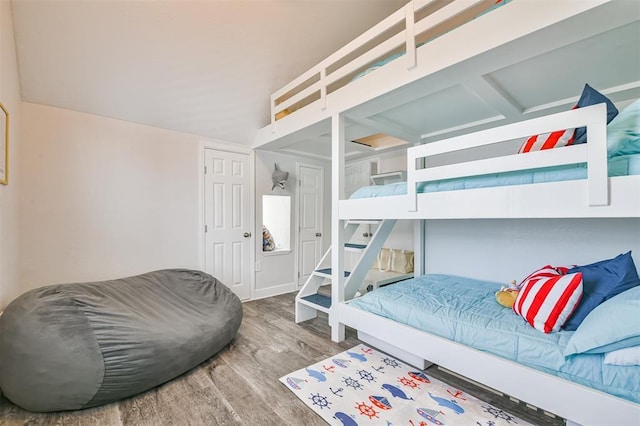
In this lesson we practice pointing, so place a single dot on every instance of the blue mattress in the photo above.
(618, 166)
(465, 311)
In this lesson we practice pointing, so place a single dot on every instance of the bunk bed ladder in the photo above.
(309, 300)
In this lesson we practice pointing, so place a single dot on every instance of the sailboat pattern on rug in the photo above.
(362, 386)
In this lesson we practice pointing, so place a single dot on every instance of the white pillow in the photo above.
(626, 356)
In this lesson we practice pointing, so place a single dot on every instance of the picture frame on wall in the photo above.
(4, 145)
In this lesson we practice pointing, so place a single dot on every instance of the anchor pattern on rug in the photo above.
(363, 386)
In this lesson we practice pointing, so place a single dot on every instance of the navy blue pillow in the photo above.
(601, 281)
(591, 96)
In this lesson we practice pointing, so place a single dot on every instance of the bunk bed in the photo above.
(588, 193)
(461, 84)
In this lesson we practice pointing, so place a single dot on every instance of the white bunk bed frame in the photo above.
(596, 196)
(516, 33)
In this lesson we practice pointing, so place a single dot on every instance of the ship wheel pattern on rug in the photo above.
(362, 387)
(367, 410)
(320, 401)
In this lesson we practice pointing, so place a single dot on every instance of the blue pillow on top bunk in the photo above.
(601, 281)
(591, 96)
(623, 133)
(611, 326)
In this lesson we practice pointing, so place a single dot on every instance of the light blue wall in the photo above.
(507, 249)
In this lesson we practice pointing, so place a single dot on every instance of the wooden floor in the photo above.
(240, 384)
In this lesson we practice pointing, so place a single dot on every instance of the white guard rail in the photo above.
(593, 153)
(399, 32)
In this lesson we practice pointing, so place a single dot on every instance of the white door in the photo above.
(227, 220)
(310, 206)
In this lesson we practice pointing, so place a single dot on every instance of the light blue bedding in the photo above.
(618, 166)
(465, 311)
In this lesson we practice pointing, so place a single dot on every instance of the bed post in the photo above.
(337, 225)
(419, 262)
(409, 11)
(597, 168)
(412, 195)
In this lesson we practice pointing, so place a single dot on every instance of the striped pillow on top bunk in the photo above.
(548, 141)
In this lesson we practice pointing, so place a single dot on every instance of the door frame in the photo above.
(296, 271)
(218, 145)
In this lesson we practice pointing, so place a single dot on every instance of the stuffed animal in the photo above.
(507, 295)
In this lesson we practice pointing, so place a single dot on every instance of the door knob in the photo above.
(247, 234)
(318, 234)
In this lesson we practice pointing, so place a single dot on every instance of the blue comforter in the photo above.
(465, 311)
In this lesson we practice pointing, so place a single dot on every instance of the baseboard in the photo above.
(274, 291)
(1, 312)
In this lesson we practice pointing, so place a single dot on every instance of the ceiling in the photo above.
(203, 67)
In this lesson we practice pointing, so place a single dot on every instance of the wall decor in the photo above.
(4, 145)
(279, 177)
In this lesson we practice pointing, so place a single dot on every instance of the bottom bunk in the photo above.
(456, 323)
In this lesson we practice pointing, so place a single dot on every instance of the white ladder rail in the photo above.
(362, 266)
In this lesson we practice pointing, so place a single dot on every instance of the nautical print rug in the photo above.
(362, 386)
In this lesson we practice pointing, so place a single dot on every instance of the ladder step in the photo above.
(318, 301)
(326, 272)
(354, 246)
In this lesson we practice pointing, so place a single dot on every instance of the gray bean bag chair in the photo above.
(72, 346)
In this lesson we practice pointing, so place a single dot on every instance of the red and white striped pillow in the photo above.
(546, 271)
(546, 300)
(548, 141)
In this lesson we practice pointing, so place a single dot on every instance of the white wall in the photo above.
(392, 161)
(277, 272)
(9, 218)
(509, 249)
(103, 198)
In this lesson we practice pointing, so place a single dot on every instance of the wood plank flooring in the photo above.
(240, 384)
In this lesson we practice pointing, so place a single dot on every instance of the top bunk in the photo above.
(461, 83)
(490, 173)
(441, 68)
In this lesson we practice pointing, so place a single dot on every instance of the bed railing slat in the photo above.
(532, 160)
(597, 167)
(315, 87)
(449, 11)
(297, 82)
(379, 51)
(593, 153)
(559, 121)
(412, 57)
(384, 25)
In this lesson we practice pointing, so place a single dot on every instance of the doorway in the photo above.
(309, 219)
(227, 219)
